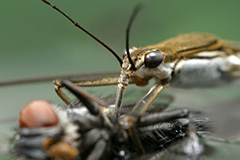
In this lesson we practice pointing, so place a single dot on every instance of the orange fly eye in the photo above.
(37, 113)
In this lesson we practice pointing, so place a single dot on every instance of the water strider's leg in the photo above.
(93, 81)
(137, 118)
(144, 103)
(88, 81)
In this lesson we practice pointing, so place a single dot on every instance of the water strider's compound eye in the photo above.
(125, 52)
(153, 59)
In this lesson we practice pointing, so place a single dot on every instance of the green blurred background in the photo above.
(36, 41)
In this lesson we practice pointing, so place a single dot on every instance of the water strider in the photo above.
(188, 60)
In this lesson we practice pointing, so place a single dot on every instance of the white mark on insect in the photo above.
(192, 73)
(234, 60)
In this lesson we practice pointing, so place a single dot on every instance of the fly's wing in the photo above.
(215, 133)
(187, 45)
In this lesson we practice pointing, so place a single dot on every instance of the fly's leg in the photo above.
(154, 118)
(163, 126)
(98, 150)
(95, 141)
(93, 81)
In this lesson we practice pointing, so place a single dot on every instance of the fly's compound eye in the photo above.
(38, 113)
(153, 59)
(125, 52)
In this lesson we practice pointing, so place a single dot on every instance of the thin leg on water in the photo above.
(93, 81)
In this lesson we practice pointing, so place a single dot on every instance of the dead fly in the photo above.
(89, 129)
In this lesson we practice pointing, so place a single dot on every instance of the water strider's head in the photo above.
(149, 58)
(139, 59)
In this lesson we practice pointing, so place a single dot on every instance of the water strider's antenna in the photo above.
(84, 30)
(133, 16)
